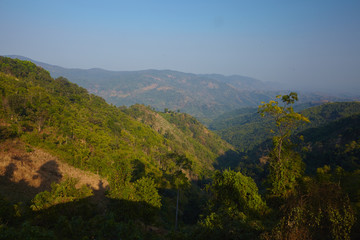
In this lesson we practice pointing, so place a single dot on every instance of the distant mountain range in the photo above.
(205, 96)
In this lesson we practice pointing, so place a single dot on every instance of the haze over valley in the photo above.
(205, 96)
(180, 120)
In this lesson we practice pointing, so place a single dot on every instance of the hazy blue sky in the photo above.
(314, 43)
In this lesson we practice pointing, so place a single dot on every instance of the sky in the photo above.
(309, 44)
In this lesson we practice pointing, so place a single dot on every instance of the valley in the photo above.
(96, 154)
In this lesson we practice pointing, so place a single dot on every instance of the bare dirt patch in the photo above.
(26, 171)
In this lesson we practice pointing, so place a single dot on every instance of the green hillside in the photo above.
(183, 133)
(86, 131)
(143, 154)
(245, 129)
(335, 144)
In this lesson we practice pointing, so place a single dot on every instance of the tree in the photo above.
(146, 191)
(174, 166)
(119, 180)
(234, 208)
(319, 210)
(63, 192)
(232, 188)
(285, 165)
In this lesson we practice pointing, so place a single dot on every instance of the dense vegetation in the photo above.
(160, 169)
(89, 133)
(245, 129)
(334, 144)
(85, 131)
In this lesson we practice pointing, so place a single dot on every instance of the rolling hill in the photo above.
(245, 129)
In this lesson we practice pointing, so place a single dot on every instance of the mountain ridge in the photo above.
(97, 69)
(204, 96)
(201, 95)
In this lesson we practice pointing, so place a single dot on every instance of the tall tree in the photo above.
(285, 165)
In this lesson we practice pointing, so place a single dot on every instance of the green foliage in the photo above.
(328, 112)
(334, 144)
(63, 192)
(284, 164)
(232, 188)
(88, 133)
(118, 143)
(246, 130)
(146, 191)
(119, 180)
(122, 187)
(234, 208)
(61, 117)
(243, 128)
(284, 174)
(174, 167)
(286, 119)
(319, 210)
(152, 159)
(26, 231)
(184, 135)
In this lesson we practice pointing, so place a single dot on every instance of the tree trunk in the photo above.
(177, 209)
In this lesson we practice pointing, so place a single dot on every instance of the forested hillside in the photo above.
(83, 130)
(184, 133)
(335, 144)
(245, 129)
(153, 173)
